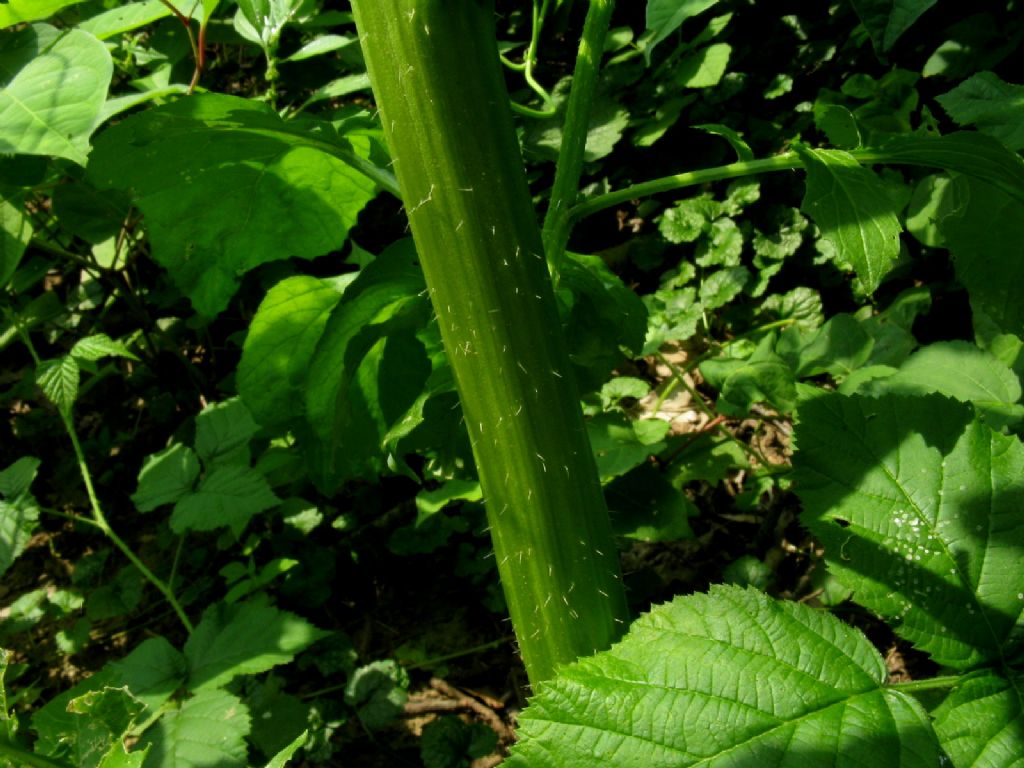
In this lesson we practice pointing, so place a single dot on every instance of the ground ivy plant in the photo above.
(459, 358)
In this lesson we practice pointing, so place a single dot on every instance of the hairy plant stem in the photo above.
(564, 193)
(438, 83)
(99, 519)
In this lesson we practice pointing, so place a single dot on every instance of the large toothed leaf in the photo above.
(851, 207)
(54, 88)
(918, 505)
(730, 679)
(994, 106)
(226, 185)
(208, 730)
(981, 722)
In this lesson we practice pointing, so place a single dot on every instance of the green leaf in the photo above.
(917, 507)
(18, 11)
(618, 446)
(763, 377)
(983, 232)
(703, 68)
(87, 212)
(685, 222)
(378, 692)
(166, 477)
(723, 286)
(52, 104)
(16, 479)
(646, 507)
(967, 152)
(15, 234)
(722, 246)
(223, 430)
(98, 346)
(17, 523)
(730, 679)
(735, 139)
(887, 20)
(226, 185)
(995, 107)
(838, 348)
(125, 18)
(956, 369)
(666, 16)
(280, 760)
(267, 18)
(981, 722)
(59, 381)
(153, 671)
(345, 382)
(280, 345)
(244, 639)
(103, 717)
(227, 497)
(608, 121)
(208, 730)
(850, 206)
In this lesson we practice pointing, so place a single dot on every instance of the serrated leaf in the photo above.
(851, 208)
(617, 445)
(729, 679)
(223, 430)
(378, 692)
(666, 16)
(983, 233)
(887, 20)
(208, 730)
(280, 344)
(53, 103)
(280, 760)
(762, 377)
(102, 718)
(17, 523)
(981, 722)
(722, 246)
(918, 507)
(98, 346)
(244, 639)
(59, 381)
(226, 185)
(166, 477)
(994, 106)
(957, 369)
(722, 286)
(153, 671)
(228, 496)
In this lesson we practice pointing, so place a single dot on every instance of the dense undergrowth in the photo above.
(241, 522)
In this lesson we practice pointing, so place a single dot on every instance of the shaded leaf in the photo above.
(887, 20)
(762, 377)
(918, 507)
(645, 506)
(703, 68)
(981, 722)
(153, 671)
(730, 679)
(995, 107)
(208, 730)
(666, 16)
(15, 234)
(166, 477)
(223, 430)
(244, 639)
(227, 497)
(378, 692)
(618, 446)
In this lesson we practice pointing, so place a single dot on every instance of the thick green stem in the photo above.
(557, 222)
(438, 83)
